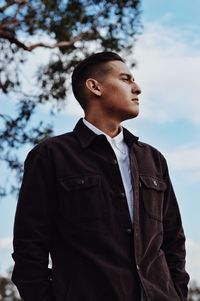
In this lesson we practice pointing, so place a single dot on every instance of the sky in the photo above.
(167, 70)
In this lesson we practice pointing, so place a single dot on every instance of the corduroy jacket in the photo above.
(72, 205)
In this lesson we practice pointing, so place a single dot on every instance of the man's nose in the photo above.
(136, 89)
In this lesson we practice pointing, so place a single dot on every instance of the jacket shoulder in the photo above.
(151, 155)
(149, 148)
(66, 137)
(51, 144)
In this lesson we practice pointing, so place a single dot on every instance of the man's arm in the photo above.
(33, 230)
(174, 241)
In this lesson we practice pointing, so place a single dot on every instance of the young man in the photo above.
(101, 203)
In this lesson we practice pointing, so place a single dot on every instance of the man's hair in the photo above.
(92, 65)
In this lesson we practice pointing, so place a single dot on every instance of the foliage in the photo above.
(71, 30)
(194, 292)
(8, 292)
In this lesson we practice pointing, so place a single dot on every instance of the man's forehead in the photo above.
(119, 67)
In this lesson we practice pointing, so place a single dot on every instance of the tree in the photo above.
(71, 30)
(8, 292)
(194, 292)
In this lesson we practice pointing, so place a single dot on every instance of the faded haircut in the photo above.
(92, 65)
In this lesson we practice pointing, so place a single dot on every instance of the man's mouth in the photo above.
(135, 100)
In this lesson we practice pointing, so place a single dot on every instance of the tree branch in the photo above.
(9, 36)
(12, 39)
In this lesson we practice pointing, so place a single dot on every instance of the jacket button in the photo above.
(155, 182)
(128, 230)
(114, 161)
(123, 195)
(80, 181)
(137, 266)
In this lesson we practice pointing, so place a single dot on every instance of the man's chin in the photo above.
(132, 115)
(136, 113)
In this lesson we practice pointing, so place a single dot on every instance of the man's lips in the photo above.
(135, 100)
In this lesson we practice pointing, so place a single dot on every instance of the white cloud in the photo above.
(192, 259)
(73, 107)
(6, 243)
(185, 159)
(168, 72)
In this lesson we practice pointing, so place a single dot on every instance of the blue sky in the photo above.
(168, 67)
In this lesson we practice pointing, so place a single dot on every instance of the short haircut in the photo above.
(87, 68)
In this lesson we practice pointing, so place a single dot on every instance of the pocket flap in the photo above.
(80, 182)
(153, 183)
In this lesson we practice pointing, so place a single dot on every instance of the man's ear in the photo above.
(94, 86)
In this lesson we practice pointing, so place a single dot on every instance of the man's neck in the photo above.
(109, 127)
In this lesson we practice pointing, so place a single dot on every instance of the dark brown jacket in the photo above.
(72, 204)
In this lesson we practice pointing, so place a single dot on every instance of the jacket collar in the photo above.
(85, 136)
(129, 138)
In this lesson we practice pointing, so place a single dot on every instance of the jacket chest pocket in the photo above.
(81, 197)
(152, 193)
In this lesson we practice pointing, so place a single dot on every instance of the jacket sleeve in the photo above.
(174, 241)
(33, 230)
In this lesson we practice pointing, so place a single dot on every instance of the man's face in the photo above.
(119, 98)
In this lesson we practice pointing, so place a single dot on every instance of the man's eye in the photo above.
(125, 78)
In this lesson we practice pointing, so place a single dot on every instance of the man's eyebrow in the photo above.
(128, 75)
